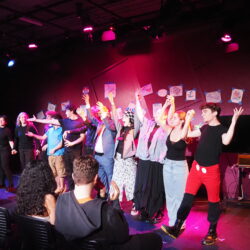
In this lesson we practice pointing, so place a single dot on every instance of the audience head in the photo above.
(36, 181)
(85, 169)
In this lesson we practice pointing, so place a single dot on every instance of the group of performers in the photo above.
(144, 157)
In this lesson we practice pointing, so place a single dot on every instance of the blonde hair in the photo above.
(18, 122)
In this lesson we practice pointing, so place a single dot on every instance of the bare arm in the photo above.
(189, 116)
(227, 137)
(77, 141)
(38, 137)
(45, 121)
(138, 108)
(114, 111)
(50, 204)
(194, 133)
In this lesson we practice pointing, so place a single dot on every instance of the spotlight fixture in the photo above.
(88, 29)
(109, 35)
(11, 63)
(32, 46)
(226, 38)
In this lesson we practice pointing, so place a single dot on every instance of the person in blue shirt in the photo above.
(55, 151)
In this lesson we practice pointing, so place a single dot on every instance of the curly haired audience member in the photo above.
(35, 193)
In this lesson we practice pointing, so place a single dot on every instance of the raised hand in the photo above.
(189, 115)
(68, 143)
(81, 112)
(237, 113)
(86, 99)
(111, 98)
(169, 100)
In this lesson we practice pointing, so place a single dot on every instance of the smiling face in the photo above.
(23, 118)
(177, 119)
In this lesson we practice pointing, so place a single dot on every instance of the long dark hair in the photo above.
(36, 181)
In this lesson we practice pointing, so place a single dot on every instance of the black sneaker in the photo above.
(209, 239)
(171, 231)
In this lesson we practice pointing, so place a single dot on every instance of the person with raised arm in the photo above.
(151, 150)
(205, 169)
(55, 151)
(104, 140)
(125, 165)
(72, 142)
(175, 169)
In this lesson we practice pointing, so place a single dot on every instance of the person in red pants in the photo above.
(205, 169)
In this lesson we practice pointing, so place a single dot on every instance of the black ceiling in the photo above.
(51, 22)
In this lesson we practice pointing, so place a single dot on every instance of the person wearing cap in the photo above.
(124, 172)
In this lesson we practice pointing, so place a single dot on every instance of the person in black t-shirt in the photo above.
(205, 169)
(6, 145)
(27, 147)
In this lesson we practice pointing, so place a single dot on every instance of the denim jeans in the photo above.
(105, 171)
(175, 175)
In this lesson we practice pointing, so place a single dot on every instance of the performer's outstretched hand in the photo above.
(237, 113)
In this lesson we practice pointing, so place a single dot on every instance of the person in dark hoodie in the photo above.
(80, 217)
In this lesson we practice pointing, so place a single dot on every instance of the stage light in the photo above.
(11, 63)
(226, 38)
(32, 46)
(109, 35)
(88, 29)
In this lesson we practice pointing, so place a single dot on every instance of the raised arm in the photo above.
(45, 121)
(227, 137)
(88, 110)
(104, 115)
(169, 102)
(189, 116)
(138, 109)
(114, 111)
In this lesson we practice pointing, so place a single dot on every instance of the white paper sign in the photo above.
(176, 90)
(146, 89)
(191, 95)
(214, 96)
(156, 108)
(51, 107)
(162, 92)
(64, 105)
(109, 88)
(237, 95)
(40, 115)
